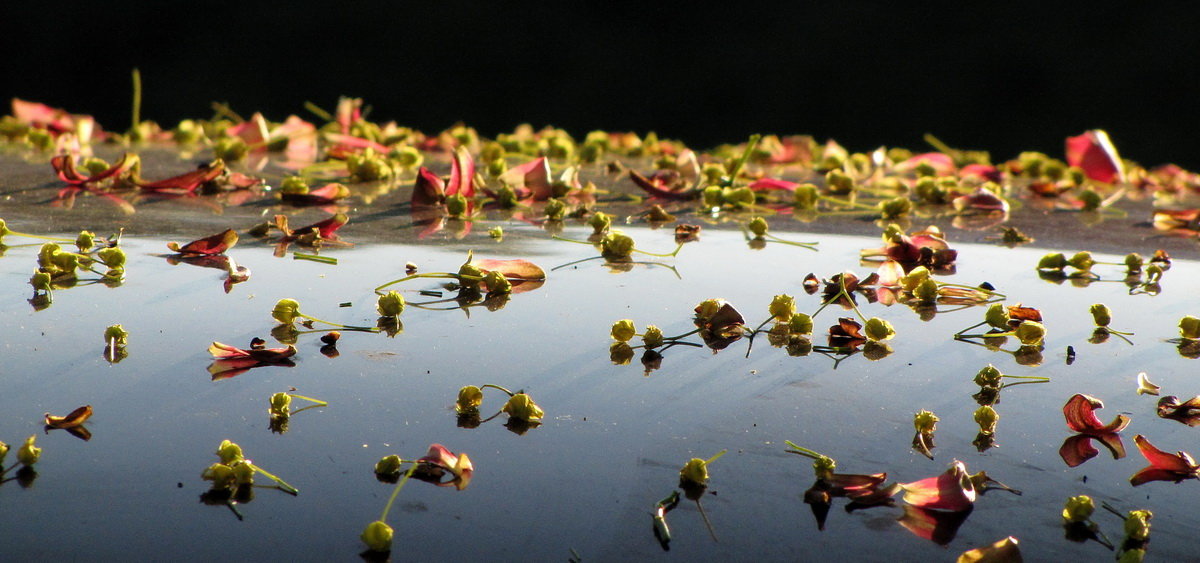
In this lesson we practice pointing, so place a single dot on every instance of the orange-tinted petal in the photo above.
(951, 490)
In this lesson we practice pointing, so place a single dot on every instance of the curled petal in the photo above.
(1094, 152)
(935, 526)
(428, 189)
(75, 418)
(187, 183)
(207, 246)
(1003, 551)
(952, 490)
(1077, 449)
(1081, 416)
(980, 201)
(1151, 473)
(664, 184)
(773, 184)
(532, 178)
(462, 174)
(1179, 462)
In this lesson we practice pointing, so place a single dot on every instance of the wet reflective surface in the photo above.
(614, 436)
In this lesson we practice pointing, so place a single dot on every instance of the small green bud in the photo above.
(879, 330)
(997, 316)
(496, 283)
(378, 536)
(230, 149)
(1031, 333)
(85, 241)
(555, 209)
(1052, 261)
(496, 232)
(286, 310)
(801, 323)
(388, 465)
(925, 422)
(758, 226)
(521, 407)
(600, 222)
(40, 281)
(229, 452)
(1078, 509)
(1101, 314)
(116, 334)
(1082, 261)
(896, 207)
(390, 304)
(623, 330)
(280, 403)
(989, 376)
(694, 472)
(29, 454)
(1090, 199)
(1189, 327)
(927, 291)
(221, 475)
(806, 196)
(1133, 262)
(188, 132)
(1137, 524)
(113, 257)
(469, 399)
(3, 451)
(408, 157)
(707, 308)
(94, 165)
(824, 467)
(620, 353)
(782, 308)
(652, 337)
(838, 182)
(293, 185)
(925, 169)
(739, 197)
(892, 233)
(616, 245)
(987, 417)
(1154, 272)
(243, 473)
(913, 279)
(456, 205)
(506, 197)
(713, 197)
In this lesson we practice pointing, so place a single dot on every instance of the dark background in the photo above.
(866, 73)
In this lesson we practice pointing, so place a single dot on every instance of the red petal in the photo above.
(326, 228)
(253, 131)
(942, 164)
(533, 176)
(980, 200)
(1159, 459)
(428, 189)
(773, 184)
(462, 174)
(186, 183)
(219, 350)
(1094, 152)
(1077, 449)
(985, 171)
(1151, 473)
(440, 456)
(951, 490)
(215, 244)
(656, 187)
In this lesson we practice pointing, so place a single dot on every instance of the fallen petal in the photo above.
(952, 490)
(1145, 387)
(207, 246)
(1003, 551)
(75, 418)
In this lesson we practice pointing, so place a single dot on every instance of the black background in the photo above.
(1003, 79)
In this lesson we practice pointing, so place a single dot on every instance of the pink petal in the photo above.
(1094, 152)
(533, 176)
(1081, 416)
(462, 174)
(980, 200)
(440, 456)
(253, 131)
(951, 490)
(942, 164)
(773, 184)
(207, 246)
(890, 273)
(984, 171)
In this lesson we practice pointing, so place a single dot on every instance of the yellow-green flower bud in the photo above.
(94, 165)
(521, 407)
(1090, 199)
(116, 334)
(469, 399)
(1031, 333)
(112, 257)
(408, 157)
(892, 233)
(496, 283)
(280, 403)
(600, 222)
(286, 311)
(1137, 524)
(623, 330)
(456, 205)
(1078, 509)
(555, 209)
(620, 353)
(1189, 327)
(805, 197)
(758, 226)
(506, 197)
(782, 308)
(707, 308)
(824, 467)
(925, 422)
(388, 465)
(616, 245)
(243, 473)
(838, 182)
(801, 323)
(4, 230)
(1133, 262)
(378, 536)
(293, 185)
(1154, 273)
(911, 280)
(3, 451)
(85, 241)
(926, 291)
(739, 197)
(989, 376)
(878, 329)
(1082, 261)
(895, 207)
(653, 337)
(221, 475)
(229, 452)
(1101, 314)
(1052, 261)
(40, 281)
(986, 417)
(713, 197)
(28, 453)
(997, 316)
(694, 472)
(230, 149)
(390, 304)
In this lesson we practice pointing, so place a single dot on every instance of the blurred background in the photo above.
(1003, 79)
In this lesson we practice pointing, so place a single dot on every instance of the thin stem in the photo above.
(283, 484)
(707, 524)
(671, 255)
(438, 275)
(396, 491)
(978, 324)
(715, 457)
(40, 237)
(316, 110)
(487, 385)
(808, 245)
(319, 403)
(750, 146)
(315, 258)
(801, 450)
(1030, 377)
(137, 98)
(342, 326)
(580, 261)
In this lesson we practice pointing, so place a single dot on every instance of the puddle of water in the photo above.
(614, 438)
